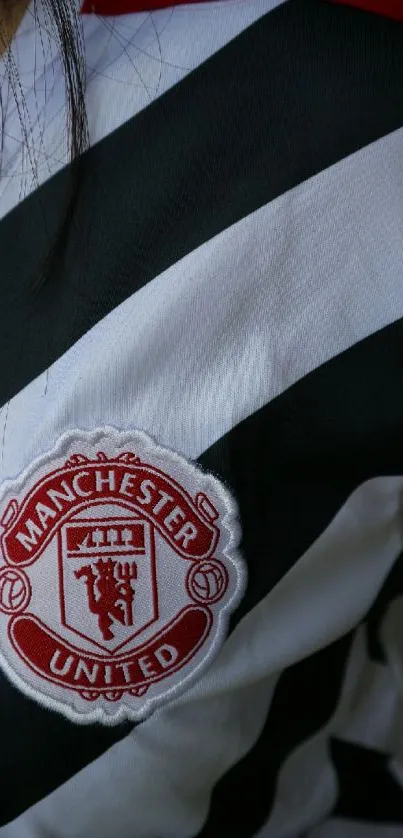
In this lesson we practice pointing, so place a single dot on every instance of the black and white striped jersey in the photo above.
(201, 457)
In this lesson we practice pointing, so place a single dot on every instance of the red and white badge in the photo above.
(118, 572)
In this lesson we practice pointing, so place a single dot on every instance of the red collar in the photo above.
(390, 8)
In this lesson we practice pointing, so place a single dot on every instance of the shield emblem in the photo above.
(108, 591)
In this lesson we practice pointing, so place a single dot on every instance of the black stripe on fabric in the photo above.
(294, 463)
(305, 699)
(292, 466)
(302, 88)
(367, 790)
(40, 750)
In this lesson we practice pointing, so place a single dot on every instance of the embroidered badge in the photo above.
(118, 573)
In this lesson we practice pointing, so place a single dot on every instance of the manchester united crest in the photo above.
(118, 572)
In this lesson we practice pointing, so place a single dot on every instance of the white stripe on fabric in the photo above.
(234, 323)
(158, 780)
(130, 61)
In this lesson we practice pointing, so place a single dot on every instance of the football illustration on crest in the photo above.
(118, 572)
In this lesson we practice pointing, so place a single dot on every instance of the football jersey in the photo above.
(201, 413)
